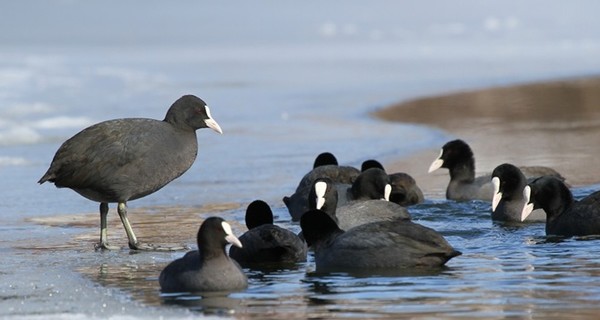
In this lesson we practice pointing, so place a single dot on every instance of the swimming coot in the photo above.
(297, 203)
(458, 158)
(323, 196)
(265, 243)
(508, 200)
(376, 245)
(565, 216)
(405, 191)
(209, 268)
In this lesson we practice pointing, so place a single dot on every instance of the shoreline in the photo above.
(554, 123)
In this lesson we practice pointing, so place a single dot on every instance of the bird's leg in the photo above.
(133, 242)
(103, 244)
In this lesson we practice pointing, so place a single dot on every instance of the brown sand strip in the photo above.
(162, 225)
(554, 124)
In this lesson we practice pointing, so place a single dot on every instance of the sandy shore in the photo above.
(554, 124)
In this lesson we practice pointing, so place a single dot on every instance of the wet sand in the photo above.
(554, 124)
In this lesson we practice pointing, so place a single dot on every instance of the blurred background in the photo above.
(285, 81)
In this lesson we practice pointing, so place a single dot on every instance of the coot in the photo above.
(508, 200)
(265, 243)
(126, 159)
(565, 216)
(376, 245)
(207, 269)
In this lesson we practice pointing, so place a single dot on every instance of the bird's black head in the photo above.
(373, 183)
(456, 152)
(371, 163)
(325, 158)
(318, 226)
(191, 112)
(510, 178)
(257, 214)
(214, 234)
(550, 194)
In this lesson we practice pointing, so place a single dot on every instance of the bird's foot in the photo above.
(155, 247)
(105, 246)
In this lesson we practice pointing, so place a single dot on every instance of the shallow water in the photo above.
(505, 270)
(284, 83)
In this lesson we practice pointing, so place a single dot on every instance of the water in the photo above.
(285, 82)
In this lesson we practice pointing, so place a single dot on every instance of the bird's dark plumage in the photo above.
(324, 197)
(207, 269)
(265, 244)
(565, 215)
(376, 245)
(325, 158)
(126, 159)
(371, 163)
(508, 201)
(405, 190)
(297, 203)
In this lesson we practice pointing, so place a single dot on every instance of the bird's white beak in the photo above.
(211, 123)
(438, 163)
(497, 194)
(320, 188)
(387, 192)
(528, 208)
(230, 237)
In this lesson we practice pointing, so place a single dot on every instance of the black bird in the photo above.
(405, 191)
(565, 216)
(297, 203)
(265, 243)
(209, 268)
(324, 197)
(458, 158)
(126, 159)
(372, 183)
(375, 245)
(508, 201)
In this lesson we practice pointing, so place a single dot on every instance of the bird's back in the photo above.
(360, 212)
(123, 159)
(387, 245)
(188, 274)
(269, 244)
(580, 219)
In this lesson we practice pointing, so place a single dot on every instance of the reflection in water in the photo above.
(220, 304)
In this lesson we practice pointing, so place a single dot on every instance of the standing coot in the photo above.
(126, 159)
